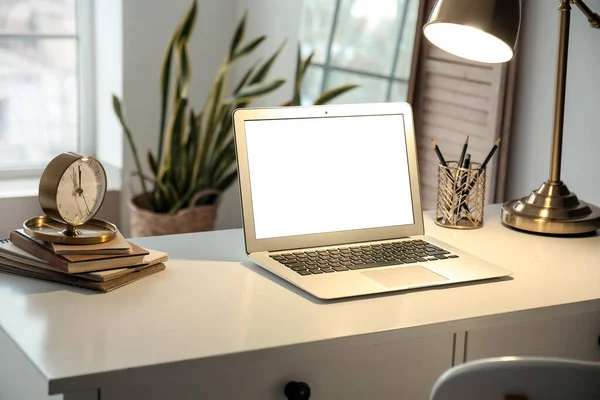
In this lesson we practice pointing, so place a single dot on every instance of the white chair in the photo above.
(520, 378)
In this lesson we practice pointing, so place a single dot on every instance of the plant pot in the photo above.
(144, 222)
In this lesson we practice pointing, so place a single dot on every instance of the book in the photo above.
(118, 245)
(155, 257)
(13, 256)
(103, 286)
(77, 263)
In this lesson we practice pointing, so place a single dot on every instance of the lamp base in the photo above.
(552, 209)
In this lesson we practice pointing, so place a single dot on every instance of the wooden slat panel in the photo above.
(465, 72)
(456, 111)
(452, 84)
(455, 98)
(462, 127)
(446, 96)
(445, 135)
(436, 53)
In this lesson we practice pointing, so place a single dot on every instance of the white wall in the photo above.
(533, 118)
(108, 66)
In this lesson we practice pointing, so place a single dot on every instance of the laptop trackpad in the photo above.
(404, 276)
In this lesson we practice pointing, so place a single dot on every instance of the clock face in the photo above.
(81, 191)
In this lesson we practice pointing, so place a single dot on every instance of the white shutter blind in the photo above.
(456, 98)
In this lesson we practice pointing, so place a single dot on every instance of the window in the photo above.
(41, 64)
(366, 42)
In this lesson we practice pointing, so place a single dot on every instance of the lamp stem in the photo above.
(560, 89)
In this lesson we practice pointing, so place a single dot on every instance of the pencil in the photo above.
(439, 153)
(464, 151)
(490, 155)
(483, 165)
(463, 189)
(442, 160)
(462, 158)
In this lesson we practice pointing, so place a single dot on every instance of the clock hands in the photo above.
(79, 189)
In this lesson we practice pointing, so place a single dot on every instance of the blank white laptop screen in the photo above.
(321, 175)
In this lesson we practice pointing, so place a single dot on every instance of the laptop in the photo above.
(331, 203)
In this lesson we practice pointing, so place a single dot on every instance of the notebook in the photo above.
(323, 183)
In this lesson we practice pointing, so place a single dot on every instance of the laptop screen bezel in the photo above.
(240, 116)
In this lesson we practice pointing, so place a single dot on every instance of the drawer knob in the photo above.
(297, 391)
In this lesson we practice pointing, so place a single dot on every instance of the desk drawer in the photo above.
(396, 370)
(572, 336)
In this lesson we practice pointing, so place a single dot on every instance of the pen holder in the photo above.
(460, 196)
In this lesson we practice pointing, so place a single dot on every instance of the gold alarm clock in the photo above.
(71, 192)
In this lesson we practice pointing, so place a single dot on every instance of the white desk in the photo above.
(222, 328)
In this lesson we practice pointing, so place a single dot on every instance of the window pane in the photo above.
(366, 35)
(38, 100)
(37, 16)
(405, 52)
(370, 90)
(311, 86)
(399, 91)
(315, 28)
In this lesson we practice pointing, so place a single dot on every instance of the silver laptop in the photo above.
(331, 203)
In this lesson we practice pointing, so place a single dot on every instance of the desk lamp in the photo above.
(487, 31)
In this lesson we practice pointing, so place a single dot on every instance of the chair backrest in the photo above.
(519, 378)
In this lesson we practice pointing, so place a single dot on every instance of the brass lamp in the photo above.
(487, 31)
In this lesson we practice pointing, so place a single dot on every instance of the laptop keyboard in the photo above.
(360, 257)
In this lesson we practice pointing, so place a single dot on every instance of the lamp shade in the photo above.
(478, 30)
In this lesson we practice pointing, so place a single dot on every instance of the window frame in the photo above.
(328, 67)
(84, 37)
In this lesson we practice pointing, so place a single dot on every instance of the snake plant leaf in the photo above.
(304, 65)
(249, 48)
(245, 78)
(183, 83)
(172, 139)
(227, 180)
(216, 96)
(298, 79)
(181, 35)
(224, 162)
(176, 134)
(185, 199)
(152, 163)
(164, 96)
(238, 36)
(248, 93)
(262, 73)
(199, 145)
(118, 108)
(329, 95)
(187, 26)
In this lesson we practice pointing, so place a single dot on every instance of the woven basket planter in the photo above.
(148, 223)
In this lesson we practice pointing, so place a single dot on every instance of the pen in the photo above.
(461, 159)
(462, 154)
(463, 190)
(439, 153)
(442, 160)
(483, 165)
(490, 155)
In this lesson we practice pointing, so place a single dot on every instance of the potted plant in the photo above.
(195, 159)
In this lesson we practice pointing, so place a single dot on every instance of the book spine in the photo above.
(39, 251)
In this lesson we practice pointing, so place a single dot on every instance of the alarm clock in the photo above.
(71, 191)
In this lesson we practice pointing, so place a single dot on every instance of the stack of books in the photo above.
(102, 267)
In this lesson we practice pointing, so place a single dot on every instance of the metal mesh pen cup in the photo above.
(460, 196)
